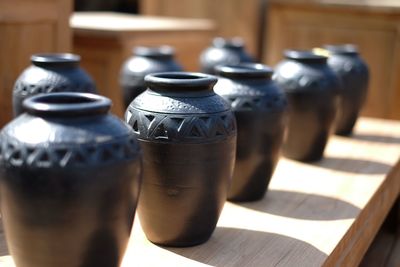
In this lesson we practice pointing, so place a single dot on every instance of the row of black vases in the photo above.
(71, 172)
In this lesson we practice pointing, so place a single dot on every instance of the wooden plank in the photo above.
(232, 17)
(320, 214)
(106, 39)
(313, 26)
(111, 23)
(28, 27)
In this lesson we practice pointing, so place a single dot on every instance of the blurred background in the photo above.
(105, 40)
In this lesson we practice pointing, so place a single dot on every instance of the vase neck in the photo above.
(180, 83)
(245, 71)
(346, 49)
(305, 56)
(161, 52)
(234, 43)
(56, 60)
(67, 105)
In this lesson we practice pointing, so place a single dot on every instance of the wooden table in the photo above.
(321, 214)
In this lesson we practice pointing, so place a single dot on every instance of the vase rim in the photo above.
(68, 104)
(305, 56)
(342, 49)
(176, 81)
(245, 71)
(55, 59)
(235, 42)
(164, 51)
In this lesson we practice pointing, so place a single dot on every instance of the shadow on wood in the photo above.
(232, 243)
(3, 245)
(376, 138)
(309, 207)
(356, 166)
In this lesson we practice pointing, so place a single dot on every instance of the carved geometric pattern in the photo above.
(276, 102)
(181, 128)
(24, 89)
(61, 155)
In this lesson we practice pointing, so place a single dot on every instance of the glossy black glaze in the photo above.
(312, 89)
(70, 178)
(51, 73)
(145, 60)
(188, 137)
(224, 52)
(259, 106)
(353, 72)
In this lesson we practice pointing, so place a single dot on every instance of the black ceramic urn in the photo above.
(69, 184)
(312, 90)
(188, 137)
(259, 106)
(145, 60)
(353, 72)
(50, 73)
(224, 51)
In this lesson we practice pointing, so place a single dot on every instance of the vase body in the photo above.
(70, 177)
(188, 137)
(259, 106)
(312, 90)
(50, 73)
(353, 72)
(146, 60)
(224, 52)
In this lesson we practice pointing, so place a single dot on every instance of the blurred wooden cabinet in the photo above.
(28, 27)
(375, 28)
(106, 39)
(232, 17)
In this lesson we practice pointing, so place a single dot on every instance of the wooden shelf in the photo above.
(321, 214)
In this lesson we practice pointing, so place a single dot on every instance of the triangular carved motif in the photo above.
(195, 131)
(135, 126)
(150, 118)
(160, 132)
(178, 123)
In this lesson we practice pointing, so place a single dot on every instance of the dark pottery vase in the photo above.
(188, 137)
(259, 106)
(312, 90)
(353, 72)
(50, 73)
(145, 60)
(224, 52)
(70, 177)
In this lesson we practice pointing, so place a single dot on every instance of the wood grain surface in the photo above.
(304, 24)
(320, 214)
(106, 39)
(232, 17)
(28, 27)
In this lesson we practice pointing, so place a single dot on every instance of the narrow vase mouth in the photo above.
(67, 104)
(245, 71)
(180, 82)
(232, 43)
(342, 49)
(304, 56)
(55, 60)
(163, 51)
